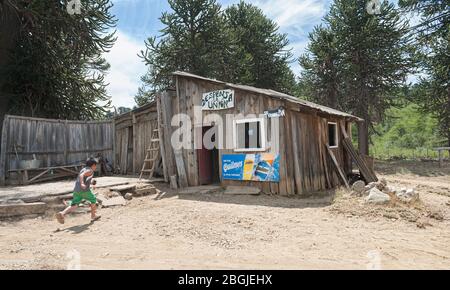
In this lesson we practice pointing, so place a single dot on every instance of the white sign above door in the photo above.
(218, 100)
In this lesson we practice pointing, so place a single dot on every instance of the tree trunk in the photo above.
(363, 137)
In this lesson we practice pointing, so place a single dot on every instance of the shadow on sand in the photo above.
(77, 229)
(318, 200)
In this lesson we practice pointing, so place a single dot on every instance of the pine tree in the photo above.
(56, 68)
(371, 61)
(320, 75)
(193, 39)
(239, 45)
(433, 37)
(260, 56)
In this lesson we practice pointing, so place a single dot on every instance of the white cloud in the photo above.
(298, 48)
(293, 12)
(126, 70)
(296, 18)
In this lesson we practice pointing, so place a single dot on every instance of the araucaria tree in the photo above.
(238, 45)
(259, 55)
(56, 68)
(193, 40)
(433, 37)
(358, 60)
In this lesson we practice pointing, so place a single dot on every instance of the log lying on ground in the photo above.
(242, 190)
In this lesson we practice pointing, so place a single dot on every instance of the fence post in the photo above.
(3, 150)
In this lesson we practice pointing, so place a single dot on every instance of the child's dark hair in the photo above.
(91, 162)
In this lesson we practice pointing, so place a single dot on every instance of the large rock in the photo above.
(407, 195)
(389, 190)
(381, 185)
(370, 186)
(359, 187)
(377, 197)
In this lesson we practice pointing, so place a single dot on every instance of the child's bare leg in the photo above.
(94, 215)
(60, 216)
(69, 209)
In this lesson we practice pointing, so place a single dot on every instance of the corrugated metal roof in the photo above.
(274, 94)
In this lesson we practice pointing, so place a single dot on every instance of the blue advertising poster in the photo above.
(251, 167)
(233, 166)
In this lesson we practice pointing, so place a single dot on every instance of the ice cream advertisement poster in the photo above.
(251, 167)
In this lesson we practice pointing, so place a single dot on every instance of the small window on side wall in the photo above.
(333, 140)
(249, 135)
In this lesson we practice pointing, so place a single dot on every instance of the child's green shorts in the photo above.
(78, 197)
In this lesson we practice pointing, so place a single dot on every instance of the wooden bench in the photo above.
(30, 176)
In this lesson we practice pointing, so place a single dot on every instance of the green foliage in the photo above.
(356, 61)
(406, 132)
(259, 56)
(238, 45)
(407, 127)
(320, 79)
(433, 38)
(192, 40)
(57, 69)
(435, 16)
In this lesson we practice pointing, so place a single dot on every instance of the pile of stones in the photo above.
(381, 193)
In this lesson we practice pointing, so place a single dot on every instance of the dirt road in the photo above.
(223, 232)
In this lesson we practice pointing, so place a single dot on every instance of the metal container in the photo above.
(30, 164)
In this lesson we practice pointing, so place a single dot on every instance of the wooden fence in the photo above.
(54, 142)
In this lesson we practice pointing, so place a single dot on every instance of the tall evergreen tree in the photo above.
(320, 76)
(193, 39)
(433, 37)
(238, 45)
(372, 59)
(260, 56)
(56, 68)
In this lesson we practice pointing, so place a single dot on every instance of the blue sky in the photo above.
(139, 19)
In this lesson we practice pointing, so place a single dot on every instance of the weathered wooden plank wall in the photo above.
(133, 136)
(55, 142)
(305, 165)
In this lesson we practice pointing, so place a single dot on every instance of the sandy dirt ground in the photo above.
(213, 231)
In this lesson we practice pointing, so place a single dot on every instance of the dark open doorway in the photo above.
(208, 159)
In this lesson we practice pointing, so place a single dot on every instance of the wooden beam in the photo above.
(366, 172)
(161, 135)
(3, 149)
(183, 181)
(134, 157)
(66, 142)
(338, 168)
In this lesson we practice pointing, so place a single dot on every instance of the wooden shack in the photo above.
(303, 154)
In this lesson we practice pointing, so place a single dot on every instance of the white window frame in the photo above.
(262, 130)
(336, 140)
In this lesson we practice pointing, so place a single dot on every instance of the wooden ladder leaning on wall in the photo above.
(152, 156)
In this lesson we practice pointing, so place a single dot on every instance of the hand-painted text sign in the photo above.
(251, 167)
(276, 113)
(218, 100)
